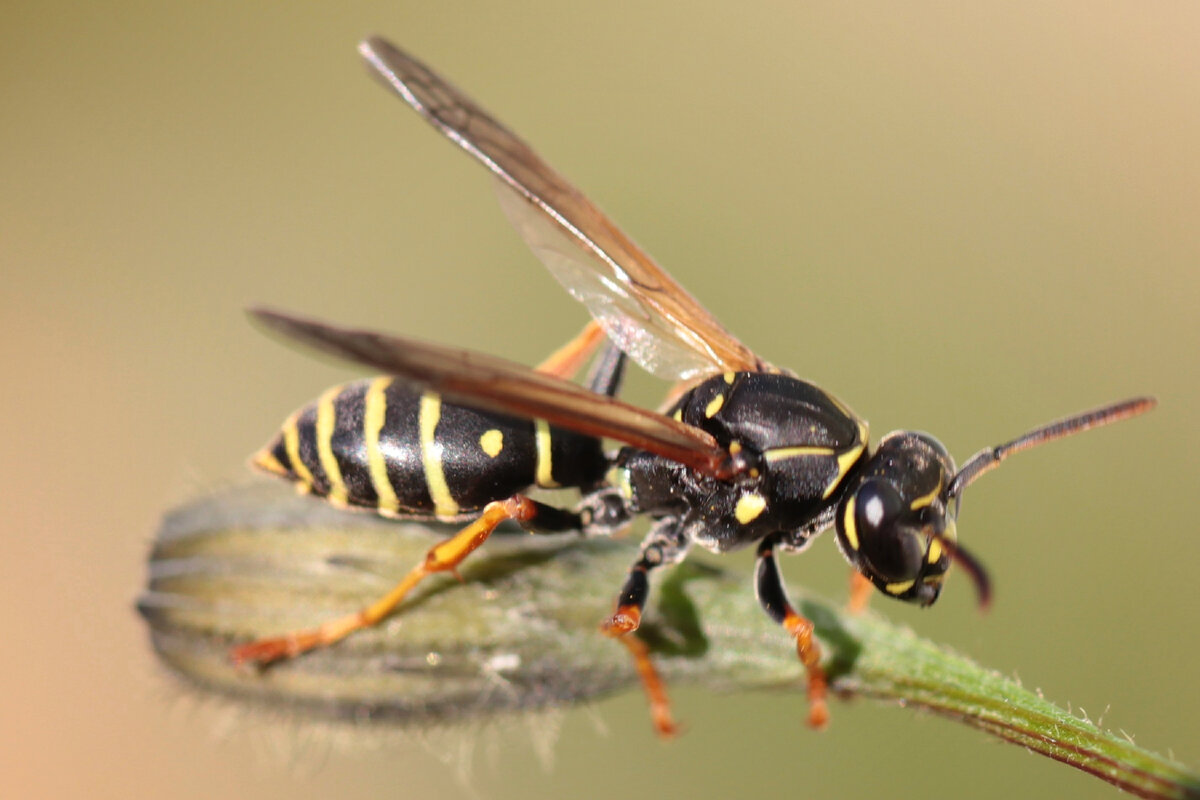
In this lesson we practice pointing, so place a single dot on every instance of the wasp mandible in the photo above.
(745, 453)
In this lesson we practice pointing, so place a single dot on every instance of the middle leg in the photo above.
(663, 545)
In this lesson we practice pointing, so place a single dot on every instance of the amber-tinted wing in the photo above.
(643, 310)
(493, 384)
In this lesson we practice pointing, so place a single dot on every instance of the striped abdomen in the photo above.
(383, 445)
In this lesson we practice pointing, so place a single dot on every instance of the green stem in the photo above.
(521, 632)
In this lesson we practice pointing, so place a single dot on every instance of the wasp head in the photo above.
(894, 524)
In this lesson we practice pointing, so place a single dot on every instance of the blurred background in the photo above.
(958, 220)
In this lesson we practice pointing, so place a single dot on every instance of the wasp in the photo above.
(743, 453)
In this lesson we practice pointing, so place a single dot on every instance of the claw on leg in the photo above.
(625, 620)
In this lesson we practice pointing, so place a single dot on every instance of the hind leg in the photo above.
(443, 557)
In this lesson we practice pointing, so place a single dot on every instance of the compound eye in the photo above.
(894, 551)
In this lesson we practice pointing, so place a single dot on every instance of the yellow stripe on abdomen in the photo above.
(545, 461)
(326, 419)
(431, 456)
(374, 416)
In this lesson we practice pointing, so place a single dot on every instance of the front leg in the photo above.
(768, 585)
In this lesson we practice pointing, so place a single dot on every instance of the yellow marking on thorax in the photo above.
(428, 417)
(619, 477)
(848, 525)
(848, 459)
(899, 588)
(374, 415)
(845, 461)
(545, 460)
(714, 406)
(780, 453)
(291, 443)
(678, 415)
(749, 506)
(326, 418)
(728, 376)
(492, 442)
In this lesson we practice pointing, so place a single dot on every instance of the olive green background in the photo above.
(962, 219)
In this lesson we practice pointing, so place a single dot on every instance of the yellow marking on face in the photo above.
(374, 415)
(749, 506)
(927, 499)
(899, 588)
(326, 417)
(935, 547)
(735, 448)
(728, 376)
(291, 443)
(935, 551)
(265, 460)
(428, 416)
(492, 442)
(848, 525)
(545, 460)
(714, 406)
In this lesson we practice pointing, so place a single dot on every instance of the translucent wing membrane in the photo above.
(493, 384)
(642, 308)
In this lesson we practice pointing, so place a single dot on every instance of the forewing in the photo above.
(493, 384)
(641, 307)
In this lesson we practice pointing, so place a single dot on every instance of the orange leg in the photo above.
(809, 651)
(662, 545)
(443, 557)
(652, 684)
(773, 597)
(568, 359)
(861, 590)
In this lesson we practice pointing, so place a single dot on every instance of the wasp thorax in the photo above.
(892, 523)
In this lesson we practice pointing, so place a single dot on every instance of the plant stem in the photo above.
(521, 632)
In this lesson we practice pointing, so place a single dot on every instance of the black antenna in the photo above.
(972, 566)
(989, 458)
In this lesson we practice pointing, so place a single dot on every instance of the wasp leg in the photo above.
(861, 590)
(653, 685)
(772, 595)
(663, 545)
(566, 360)
(444, 557)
